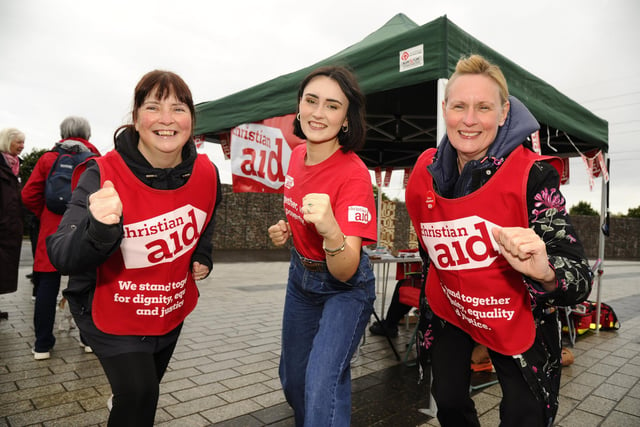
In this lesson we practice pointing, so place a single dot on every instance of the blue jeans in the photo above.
(323, 322)
(44, 312)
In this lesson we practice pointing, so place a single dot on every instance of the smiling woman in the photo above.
(135, 238)
(485, 180)
(330, 214)
(163, 117)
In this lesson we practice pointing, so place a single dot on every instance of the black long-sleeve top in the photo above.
(82, 243)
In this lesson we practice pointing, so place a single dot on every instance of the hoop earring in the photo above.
(298, 116)
(345, 128)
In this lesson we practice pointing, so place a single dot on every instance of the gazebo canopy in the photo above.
(402, 103)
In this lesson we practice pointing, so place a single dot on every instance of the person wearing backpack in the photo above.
(75, 133)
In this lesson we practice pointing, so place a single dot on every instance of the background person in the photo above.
(140, 215)
(328, 200)
(74, 133)
(11, 145)
(395, 313)
(498, 280)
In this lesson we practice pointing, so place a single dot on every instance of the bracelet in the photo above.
(334, 252)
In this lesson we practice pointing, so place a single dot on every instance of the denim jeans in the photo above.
(44, 312)
(323, 322)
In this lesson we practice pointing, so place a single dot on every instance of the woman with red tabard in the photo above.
(134, 239)
(502, 251)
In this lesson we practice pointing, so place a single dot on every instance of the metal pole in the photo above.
(603, 216)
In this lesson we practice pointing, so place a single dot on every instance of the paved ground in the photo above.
(224, 371)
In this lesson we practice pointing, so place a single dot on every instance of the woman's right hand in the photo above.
(279, 233)
(105, 204)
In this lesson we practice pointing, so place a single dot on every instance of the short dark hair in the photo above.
(354, 138)
(165, 83)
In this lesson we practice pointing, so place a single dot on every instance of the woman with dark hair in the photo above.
(134, 239)
(328, 201)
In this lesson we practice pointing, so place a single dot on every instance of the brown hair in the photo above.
(165, 83)
(354, 138)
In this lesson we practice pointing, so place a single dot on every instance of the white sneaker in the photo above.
(44, 355)
(110, 403)
(87, 348)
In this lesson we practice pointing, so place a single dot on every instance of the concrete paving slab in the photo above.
(224, 370)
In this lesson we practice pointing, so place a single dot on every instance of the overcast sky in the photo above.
(64, 57)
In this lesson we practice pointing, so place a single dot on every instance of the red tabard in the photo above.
(146, 286)
(469, 283)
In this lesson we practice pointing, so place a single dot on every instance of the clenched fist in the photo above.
(279, 233)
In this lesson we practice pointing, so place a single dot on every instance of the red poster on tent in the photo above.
(596, 166)
(407, 174)
(564, 179)
(387, 177)
(199, 141)
(593, 170)
(602, 166)
(378, 173)
(535, 142)
(225, 143)
(260, 154)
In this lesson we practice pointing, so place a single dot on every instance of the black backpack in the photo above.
(57, 187)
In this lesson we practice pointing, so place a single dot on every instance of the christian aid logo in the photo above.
(260, 153)
(461, 244)
(358, 214)
(162, 238)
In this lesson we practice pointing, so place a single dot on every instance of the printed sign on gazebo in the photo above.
(260, 154)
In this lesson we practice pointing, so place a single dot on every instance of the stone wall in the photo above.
(623, 241)
(242, 221)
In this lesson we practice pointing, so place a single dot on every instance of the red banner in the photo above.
(595, 166)
(535, 142)
(387, 177)
(260, 154)
(602, 166)
(564, 179)
(225, 143)
(407, 174)
(199, 141)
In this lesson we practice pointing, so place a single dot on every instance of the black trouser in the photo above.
(396, 310)
(451, 358)
(135, 383)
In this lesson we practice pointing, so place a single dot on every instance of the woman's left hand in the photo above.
(526, 252)
(316, 209)
(199, 271)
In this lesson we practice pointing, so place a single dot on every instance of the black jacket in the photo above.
(10, 228)
(81, 243)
